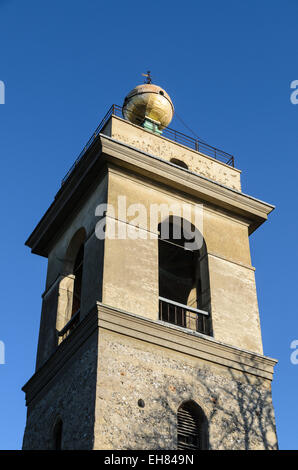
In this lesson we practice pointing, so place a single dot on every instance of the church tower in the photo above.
(150, 333)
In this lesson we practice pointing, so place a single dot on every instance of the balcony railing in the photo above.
(171, 134)
(70, 325)
(183, 315)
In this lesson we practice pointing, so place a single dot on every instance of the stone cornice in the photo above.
(238, 263)
(106, 150)
(254, 210)
(185, 341)
(162, 334)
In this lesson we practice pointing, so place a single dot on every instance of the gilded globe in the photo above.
(148, 101)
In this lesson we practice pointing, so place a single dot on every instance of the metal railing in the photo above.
(90, 141)
(70, 325)
(183, 315)
(171, 134)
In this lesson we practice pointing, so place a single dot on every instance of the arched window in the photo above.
(184, 292)
(192, 427)
(57, 435)
(78, 275)
(70, 289)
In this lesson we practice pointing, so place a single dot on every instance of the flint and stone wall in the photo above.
(238, 406)
(97, 389)
(69, 395)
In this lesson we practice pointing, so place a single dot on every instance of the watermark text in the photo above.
(2, 92)
(2, 353)
(294, 94)
(294, 355)
(137, 221)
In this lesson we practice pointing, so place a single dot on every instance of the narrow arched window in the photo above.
(57, 435)
(192, 427)
(78, 276)
(70, 288)
(184, 291)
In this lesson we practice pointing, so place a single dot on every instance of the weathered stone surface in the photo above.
(131, 266)
(96, 393)
(235, 314)
(238, 406)
(70, 396)
(164, 148)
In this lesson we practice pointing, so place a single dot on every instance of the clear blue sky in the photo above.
(228, 68)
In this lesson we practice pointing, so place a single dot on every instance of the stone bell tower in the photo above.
(149, 334)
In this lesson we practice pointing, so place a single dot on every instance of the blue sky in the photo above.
(228, 68)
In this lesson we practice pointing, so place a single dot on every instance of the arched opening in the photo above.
(192, 427)
(70, 289)
(78, 276)
(178, 162)
(184, 292)
(74, 266)
(57, 434)
(73, 249)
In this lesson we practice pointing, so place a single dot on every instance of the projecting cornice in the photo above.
(158, 333)
(105, 151)
(255, 210)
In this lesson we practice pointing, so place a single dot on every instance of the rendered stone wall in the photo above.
(84, 217)
(235, 314)
(130, 278)
(124, 273)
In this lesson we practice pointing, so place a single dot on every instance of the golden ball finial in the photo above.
(148, 102)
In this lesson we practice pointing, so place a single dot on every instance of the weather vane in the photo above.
(148, 77)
